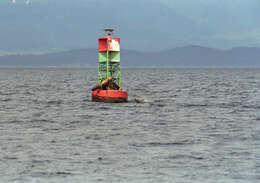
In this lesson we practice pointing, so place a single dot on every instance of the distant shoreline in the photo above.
(179, 57)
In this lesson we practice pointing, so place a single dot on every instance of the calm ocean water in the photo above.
(196, 125)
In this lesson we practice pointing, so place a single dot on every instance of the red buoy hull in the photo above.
(111, 96)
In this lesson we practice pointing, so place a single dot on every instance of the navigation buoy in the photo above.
(109, 72)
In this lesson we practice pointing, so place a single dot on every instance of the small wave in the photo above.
(6, 100)
(64, 173)
(50, 129)
(37, 114)
(94, 137)
(162, 144)
(245, 154)
(41, 120)
(86, 116)
(75, 122)
(228, 105)
(12, 122)
(10, 158)
(182, 156)
(161, 123)
(154, 144)
(39, 161)
(251, 106)
(195, 105)
(104, 108)
(158, 104)
(57, 102)
(60, 173)
(213, 96)
(7, 94)
(250, 77)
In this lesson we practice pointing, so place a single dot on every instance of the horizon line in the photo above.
(60, 50)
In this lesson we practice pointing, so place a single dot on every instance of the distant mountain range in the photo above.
(188, 56)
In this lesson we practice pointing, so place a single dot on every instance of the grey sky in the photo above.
(142, 24)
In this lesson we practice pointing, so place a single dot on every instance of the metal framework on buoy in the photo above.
(109, 57)
(109, 87)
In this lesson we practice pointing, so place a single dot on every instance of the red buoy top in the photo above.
(108, 43)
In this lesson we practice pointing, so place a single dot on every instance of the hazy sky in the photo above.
(147, 25)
